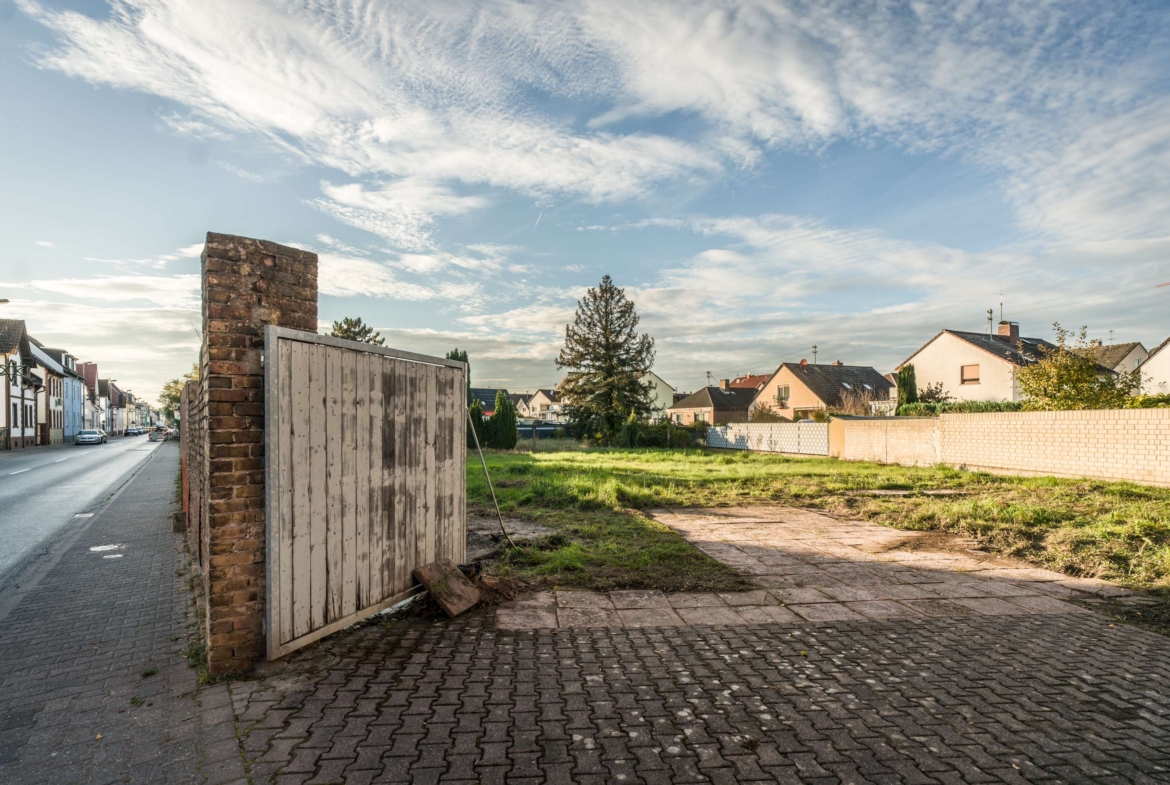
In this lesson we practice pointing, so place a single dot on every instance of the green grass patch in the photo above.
(594, 499)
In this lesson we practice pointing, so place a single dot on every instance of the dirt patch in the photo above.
(484, 539)
(494, 590)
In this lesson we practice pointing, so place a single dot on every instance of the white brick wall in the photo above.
(1109, 444)
(805, 438)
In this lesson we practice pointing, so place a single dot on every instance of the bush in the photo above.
(1148, 402)
(956, 407)
(662, 435)
(476, 412)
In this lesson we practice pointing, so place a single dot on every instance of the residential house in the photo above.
(94, 414)
(976, 366)
(1156, 370)
(112, 402)
(661, 395)
(713, 405)
(751, 381)
(796, 391)
(1120, 357)
(486, 397)
(519, 402)
(545, 404)
(20, 386)
(51, 401)
(74, 398)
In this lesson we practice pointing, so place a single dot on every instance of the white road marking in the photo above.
(115, 556)
(63, 459)
(22, 471)
(83, 515)
(105, 547)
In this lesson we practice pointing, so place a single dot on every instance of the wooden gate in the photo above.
(365, 453)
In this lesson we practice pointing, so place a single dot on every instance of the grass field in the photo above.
(594, 498)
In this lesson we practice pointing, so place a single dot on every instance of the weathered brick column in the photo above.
(247, 284)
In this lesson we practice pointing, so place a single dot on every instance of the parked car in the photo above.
(91, 436)
(133, 431)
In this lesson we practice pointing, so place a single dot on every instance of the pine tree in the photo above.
(907, 385)
(356, 330)
(501, 428)
(477, 424)
(607, 358)
(461, 356)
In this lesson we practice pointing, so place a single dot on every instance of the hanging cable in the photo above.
(487, 477)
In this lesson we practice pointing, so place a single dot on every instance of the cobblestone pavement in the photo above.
(1033, 698)
(812, 567)
(93, 686)
(862, 658)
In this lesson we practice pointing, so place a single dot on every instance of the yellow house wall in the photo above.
(942, 360)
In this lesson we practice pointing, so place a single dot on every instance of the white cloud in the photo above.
(45, 243)
(163, 341)
(177, 291)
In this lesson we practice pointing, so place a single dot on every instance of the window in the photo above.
(847, 385)
(782, 393)
(969, 374)
(700, 417)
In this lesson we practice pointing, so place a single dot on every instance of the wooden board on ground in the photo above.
(450, 587)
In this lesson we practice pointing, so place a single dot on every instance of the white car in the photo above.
(91, 436)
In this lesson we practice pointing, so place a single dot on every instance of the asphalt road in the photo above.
(46, 491)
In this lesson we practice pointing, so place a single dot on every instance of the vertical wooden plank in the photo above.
(443, 447)
(349, 547)
(301, 488)
(318, 496)
(334, 515)
(403, 512)
(417, 416)
(283, 490)
(430, 464)
(389, 490)
(375, 521)
(361, 492)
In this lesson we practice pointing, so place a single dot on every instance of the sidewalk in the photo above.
(93, 685)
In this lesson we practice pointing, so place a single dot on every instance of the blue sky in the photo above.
(759, 176)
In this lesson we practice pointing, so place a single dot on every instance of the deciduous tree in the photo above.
(607, 357)
(1067, 376)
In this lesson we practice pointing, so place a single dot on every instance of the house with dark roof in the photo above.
(18, 419)
(976, 366)
(1119, 357)
(713, 405)
(1156, 370)
(486, 397)
(796, 391)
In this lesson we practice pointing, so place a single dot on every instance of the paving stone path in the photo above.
(812, 567)
(976, 673)
(93, 686)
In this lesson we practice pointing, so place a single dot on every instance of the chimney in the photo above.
(724, 384)
(1010, 331)
(803, 361)
(838, 363)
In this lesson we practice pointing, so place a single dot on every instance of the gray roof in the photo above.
(1111, 355)
(486, 397)
(998, 345)
(737, 399)
(828, 382)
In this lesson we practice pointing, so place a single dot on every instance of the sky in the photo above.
(760, 177)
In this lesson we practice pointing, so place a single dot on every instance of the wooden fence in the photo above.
(366, 449)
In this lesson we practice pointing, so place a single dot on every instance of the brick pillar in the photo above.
(247, 284)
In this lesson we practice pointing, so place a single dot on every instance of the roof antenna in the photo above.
(1111, 337)
(814, 354)
(990, 318)
(708, 378)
